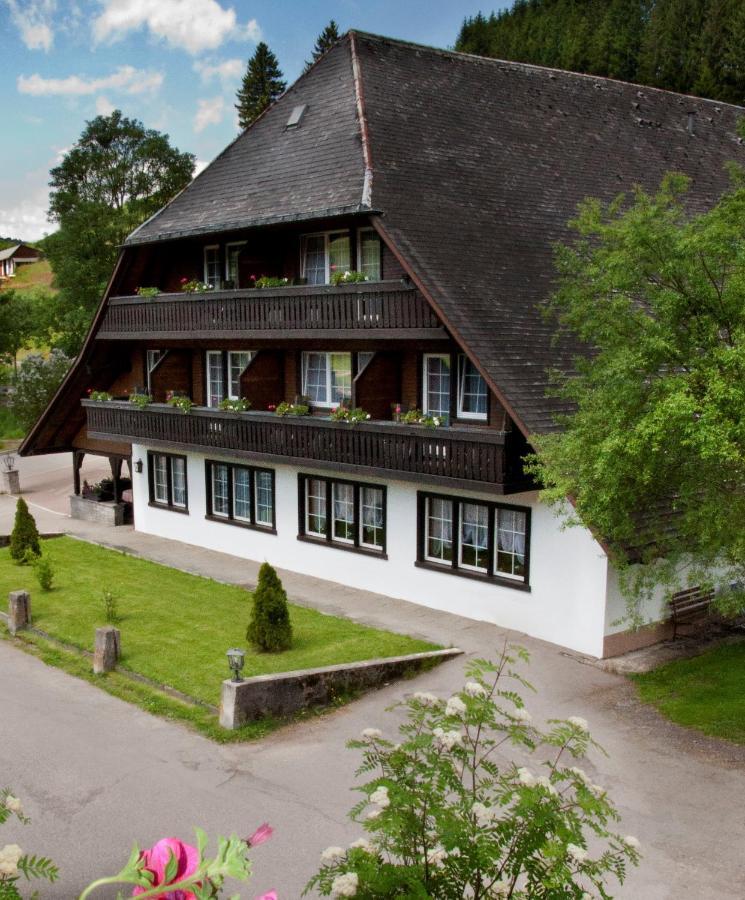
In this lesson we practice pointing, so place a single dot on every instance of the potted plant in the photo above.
(11, 475)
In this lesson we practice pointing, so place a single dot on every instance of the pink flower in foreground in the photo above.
(272, 895)
(260, 836)
(156, 859)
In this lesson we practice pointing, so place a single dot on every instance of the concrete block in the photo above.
(286, 693)
(107, 513)
(107, 649)
(11, 482)
(19, 610)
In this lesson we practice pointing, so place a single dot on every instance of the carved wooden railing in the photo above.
(382, 307)
(458, 456)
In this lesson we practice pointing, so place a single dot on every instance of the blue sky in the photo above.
(174, 64)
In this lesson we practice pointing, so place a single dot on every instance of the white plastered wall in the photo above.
(568, 568)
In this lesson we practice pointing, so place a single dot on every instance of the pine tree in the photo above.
(325, 41)
(270, 629)
(25, 536)
(261, 85)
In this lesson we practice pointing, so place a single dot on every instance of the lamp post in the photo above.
(236, 658)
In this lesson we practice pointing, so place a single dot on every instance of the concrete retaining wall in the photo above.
(288, 692)
(104, 513)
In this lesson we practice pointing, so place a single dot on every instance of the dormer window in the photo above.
(325, 253)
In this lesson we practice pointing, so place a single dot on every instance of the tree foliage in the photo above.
(38, 379)
(270, 629)
(20, 320)
(654, 456)
(117, 175)
(325, 41)
(24, 538)
(261, 85)
(693, 46)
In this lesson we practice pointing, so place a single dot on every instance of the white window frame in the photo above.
(207, 356)
(226, 359)
(425, 383)
(462, 359)
(328, 403)
(227, 260)
(447, 563)
(206, 269)
(487, 569)
(229, 363)
(213, 511)
(360, 233)
(361, 525)
(250, 474)
(511, 576)
(327, 235)
(308, 530)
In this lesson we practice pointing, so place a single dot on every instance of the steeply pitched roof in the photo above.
(474, 166)
(272, 173)
(8, 252)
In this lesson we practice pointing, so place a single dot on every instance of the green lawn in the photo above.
(705, 692)
(176, 627)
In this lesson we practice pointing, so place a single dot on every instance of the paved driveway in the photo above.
(97, 773)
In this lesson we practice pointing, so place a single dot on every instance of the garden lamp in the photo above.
(236, 658)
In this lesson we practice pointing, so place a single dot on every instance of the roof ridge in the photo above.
(459, 54)
(359, 96)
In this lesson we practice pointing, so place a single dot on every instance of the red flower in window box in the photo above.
(272, 407)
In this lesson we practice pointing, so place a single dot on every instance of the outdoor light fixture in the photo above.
(236, 658)
(138, 466)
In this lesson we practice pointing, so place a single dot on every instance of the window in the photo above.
(167, 481)
(327, 378)
(473, 538)
(152, 358)
(243, 495)
(323, 254)
(437, 385)
(212, 265)
(368, 253)
(232, 252)
(472, 391)
(343, 513)
(224, 369)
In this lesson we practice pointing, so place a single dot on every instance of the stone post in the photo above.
(11, 481)
(229, 711)
(107, 649)
(19, 610)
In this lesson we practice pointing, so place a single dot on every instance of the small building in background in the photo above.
(17, 255)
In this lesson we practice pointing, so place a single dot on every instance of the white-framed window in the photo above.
(152, 358)
(327, 378)
(372, 518)
(475, 538)
(344, 513)
(324, 253)
(241, 495)
(167, 480)
(224, 369)
(473, 395)
(232, 252)
(212, 265)
(315, 507)
(439, 530)
(369, 253)
(436, 385)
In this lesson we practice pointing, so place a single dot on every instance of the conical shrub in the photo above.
(270, 629)
(25, 535)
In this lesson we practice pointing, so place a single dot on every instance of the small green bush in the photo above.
(270, 629)
(25, 535)
(110, 607)
(44, 572)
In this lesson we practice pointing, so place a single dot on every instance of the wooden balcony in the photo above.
(455, 457)
(387, 309)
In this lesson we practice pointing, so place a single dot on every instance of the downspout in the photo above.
(359, 94)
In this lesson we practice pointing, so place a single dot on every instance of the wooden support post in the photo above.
(77, 461)
(116, 472)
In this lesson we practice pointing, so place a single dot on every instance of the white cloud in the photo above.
(126, 79)
(192, 25)
(27, 218)
(104, 106)
(209, 112)
(34, 20)
(199, 166)
(228, 71)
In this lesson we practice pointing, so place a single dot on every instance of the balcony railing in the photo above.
(389, 309)
(458, 457)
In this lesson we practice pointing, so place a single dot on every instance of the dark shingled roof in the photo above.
(474, 166)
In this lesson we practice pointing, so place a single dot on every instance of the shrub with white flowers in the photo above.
(15, 865)
(449, 816)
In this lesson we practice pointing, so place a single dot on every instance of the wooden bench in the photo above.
(690, 606)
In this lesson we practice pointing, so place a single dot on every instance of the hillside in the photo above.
(690, 46)
(31, 276)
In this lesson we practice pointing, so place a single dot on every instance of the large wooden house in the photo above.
(445, 179)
